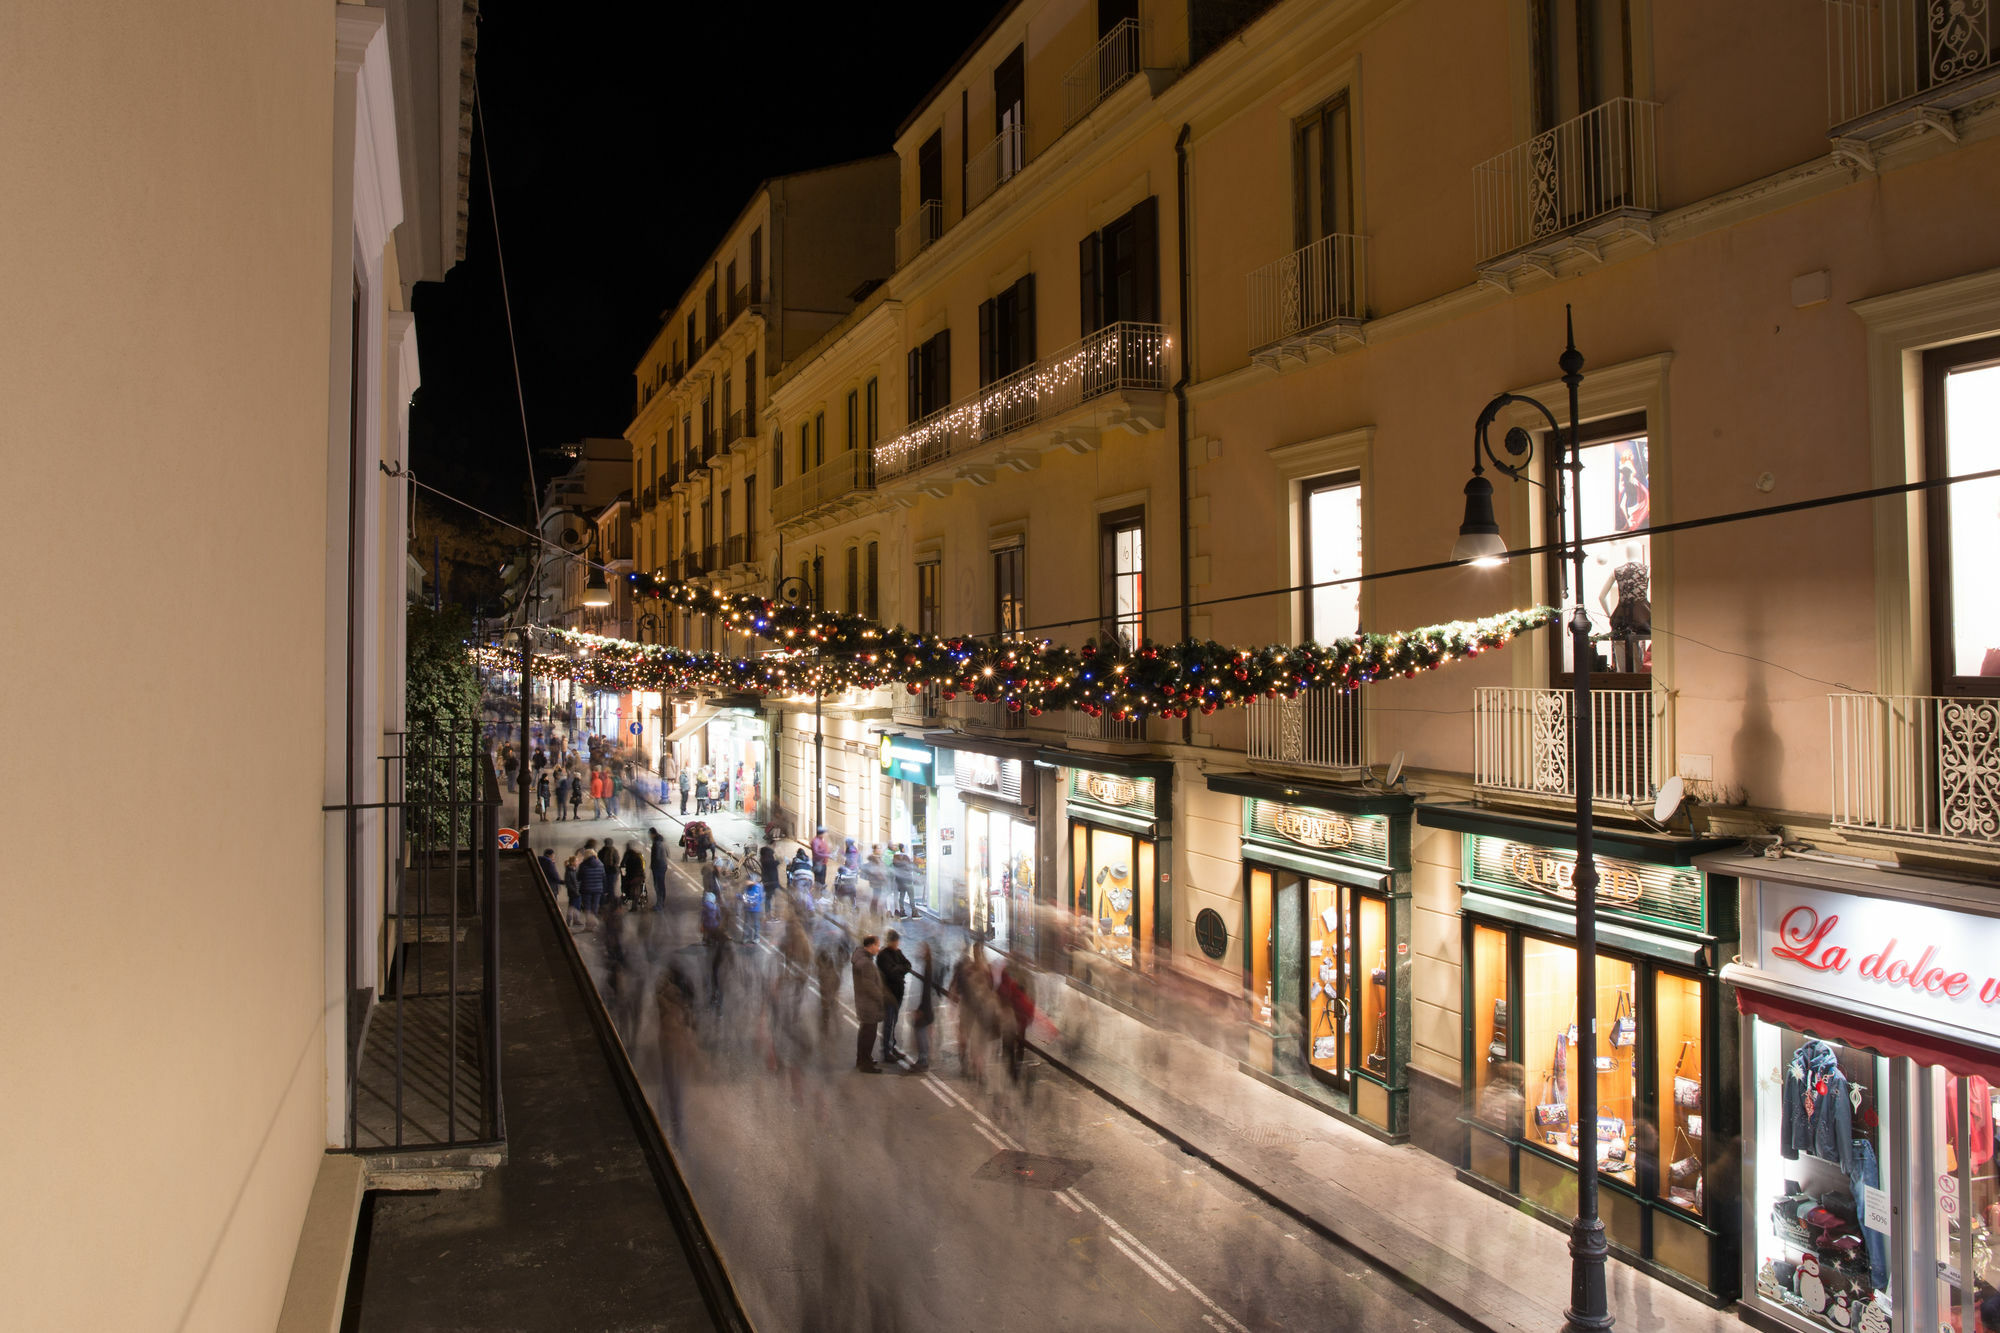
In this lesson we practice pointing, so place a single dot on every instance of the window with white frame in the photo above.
(1962, 435)
(1614, 497)
(1330, 547)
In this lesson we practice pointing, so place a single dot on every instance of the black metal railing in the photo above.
(424, 1033)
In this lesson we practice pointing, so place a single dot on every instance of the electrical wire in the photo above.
(506, 301)
(536, 537)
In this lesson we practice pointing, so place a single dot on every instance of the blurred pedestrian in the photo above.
(576, 796)
(1017, 1012)
(611, 781)
(894, 965)
(822, 852)
(511, 762)
(590, 879)
(572, 893)
(870, 999)
(687, 786)
(925, 1013)
(903, 876)
(542, 795)
(541, 759)
(549, 871)
(562, 793)
(659, 865)
(874, 880)
(633, 869)
(826, 964)
(608, 854)
(753, 912)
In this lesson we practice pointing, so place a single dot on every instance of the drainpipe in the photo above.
(1180, 401)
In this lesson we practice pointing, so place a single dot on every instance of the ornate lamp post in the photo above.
(1480, 543)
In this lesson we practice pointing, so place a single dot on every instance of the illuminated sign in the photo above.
(904, 758)
(1356, 837)
(1313, 828)
(1109, 789)
(1665, 893)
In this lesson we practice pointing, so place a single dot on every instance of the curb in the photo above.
(1361, 1248)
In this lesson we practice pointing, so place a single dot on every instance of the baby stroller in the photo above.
(695, 841)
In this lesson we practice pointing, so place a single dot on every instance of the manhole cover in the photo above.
(1036, 1172)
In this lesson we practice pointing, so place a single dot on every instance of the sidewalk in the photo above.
(1492, 1265)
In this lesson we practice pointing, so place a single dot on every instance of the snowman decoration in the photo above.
(1812, 1290)
(1874, 1318)
(1840, 1314)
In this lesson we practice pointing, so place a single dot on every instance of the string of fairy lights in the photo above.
(1125, 354)
(822, 653)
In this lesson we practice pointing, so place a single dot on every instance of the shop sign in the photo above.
(902, 757)
(987, 775)
(1664, 893)
(981, 770)
(1111, 789)
(1319, 829)
(1928, 962)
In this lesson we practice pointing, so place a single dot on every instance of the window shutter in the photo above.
(1024, 319)
(941, 369)
(916, 396)
(988, 358)
(1146, 259)
(1087, 283)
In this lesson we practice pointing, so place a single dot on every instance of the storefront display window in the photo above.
(1559, 1057)
(1113, 892)
(1497, 1096)
(1330, 962)
(1968, 1195)
(1262, 941)
(1000, 866)
(1821, 1130)
(1372, 1028)
(1677, 1020)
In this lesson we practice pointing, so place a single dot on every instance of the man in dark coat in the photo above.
(894, 965)
(870, 999)
(608, 854)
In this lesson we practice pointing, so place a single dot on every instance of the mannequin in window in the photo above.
(1631, 612)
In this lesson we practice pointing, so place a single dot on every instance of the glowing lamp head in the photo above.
(1479, 539)
(595, 592)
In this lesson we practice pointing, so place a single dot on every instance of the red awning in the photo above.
(1958, 1057)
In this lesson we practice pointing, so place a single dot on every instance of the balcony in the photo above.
(1081, 726)
(711, 558)
(919, 230)
(847, 475)
(692, 565)
(693, 465)
(1119, 358)
(740, 431)
(995, 164)
(710, 445)
(919, 709)
(1567, 191)
(1894, 64)
(1313, 297)
(986, 716)
(665, 485)
(1922, 766)
(1090, 80)
(1319, 729)
(738, 550)
(1523, 742)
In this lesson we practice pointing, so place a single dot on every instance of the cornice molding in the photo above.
(361, 51)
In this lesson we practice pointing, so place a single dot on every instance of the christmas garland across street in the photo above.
(822, 653)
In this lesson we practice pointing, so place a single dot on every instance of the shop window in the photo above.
(1616, 497)
(1009, 591)
(1113, 893)
(1677, 1019)
(1498, 1101)
(1961, 435)
(1968, 1202)
(1558, 1057)
(1330, 543)
(1821, 1132)
(1371, 951)
(1260, 942)
(1329, 964)
(1123, 562)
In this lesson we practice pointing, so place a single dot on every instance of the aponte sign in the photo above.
(1924, 961)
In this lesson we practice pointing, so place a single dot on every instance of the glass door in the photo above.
(1329, 981)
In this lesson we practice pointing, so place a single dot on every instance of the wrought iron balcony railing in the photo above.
(1524, 740)
(1893, 62)
(1925, 766)
(919, 230)
(1124, 356)
(849, 473)
(1600, 165)
(1319, 729)
(995, 164)
(1090, 80)
(1308, 295)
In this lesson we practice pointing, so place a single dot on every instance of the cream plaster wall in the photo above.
(164, 365)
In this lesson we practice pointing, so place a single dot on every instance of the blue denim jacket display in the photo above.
(1817, 1117)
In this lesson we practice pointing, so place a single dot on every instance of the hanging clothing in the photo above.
(1818, 1119)
(1980, 1116)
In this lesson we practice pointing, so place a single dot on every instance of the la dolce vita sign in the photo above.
(1925, 961)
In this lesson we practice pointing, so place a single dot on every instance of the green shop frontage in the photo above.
(1326, 957)
(1664, 1059)
(1118, 822)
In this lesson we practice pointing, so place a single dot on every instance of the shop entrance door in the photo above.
(1288, 968)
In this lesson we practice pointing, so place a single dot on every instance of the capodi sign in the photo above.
(1924, 961)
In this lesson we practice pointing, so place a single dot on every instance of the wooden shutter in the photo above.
(941, 369)
(989, 354)
(1089, 264)
(1024, 320)
(1146, 259)
(915, 396)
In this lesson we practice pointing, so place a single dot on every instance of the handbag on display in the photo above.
(1380, 976)
(1571, 1034)
(1378, 1059)
(1552, 1112)
(1687, 1091)
(1694, 1126)
(1685, 1170)
(1610, 1127)
(1496, 1049)
(1326, 1048)
(1624, 1027)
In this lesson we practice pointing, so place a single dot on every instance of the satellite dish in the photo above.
(1395, 770)
(1673, 794)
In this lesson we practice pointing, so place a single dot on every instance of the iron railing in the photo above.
(1601, 163)
(919, 230)
(1119, 357)
(691, 463)
(926, 705)
(710, 557)
(425, 1054)
(1926, 766)
(738, 550)
(1886, 54)
(1307, 290)
(1080, 725)
(995, 164)
(736, 428)
(1523, 740)
(991, 715)
(1090, 80)
(691, 564)
(1319, 729)
(848, 473)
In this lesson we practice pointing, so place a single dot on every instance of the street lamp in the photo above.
(595, 590)
(799, 592)
(1479, 542)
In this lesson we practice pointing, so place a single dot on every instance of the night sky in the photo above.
(624, 139)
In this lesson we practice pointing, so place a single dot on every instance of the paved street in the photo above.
(841, 1200)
